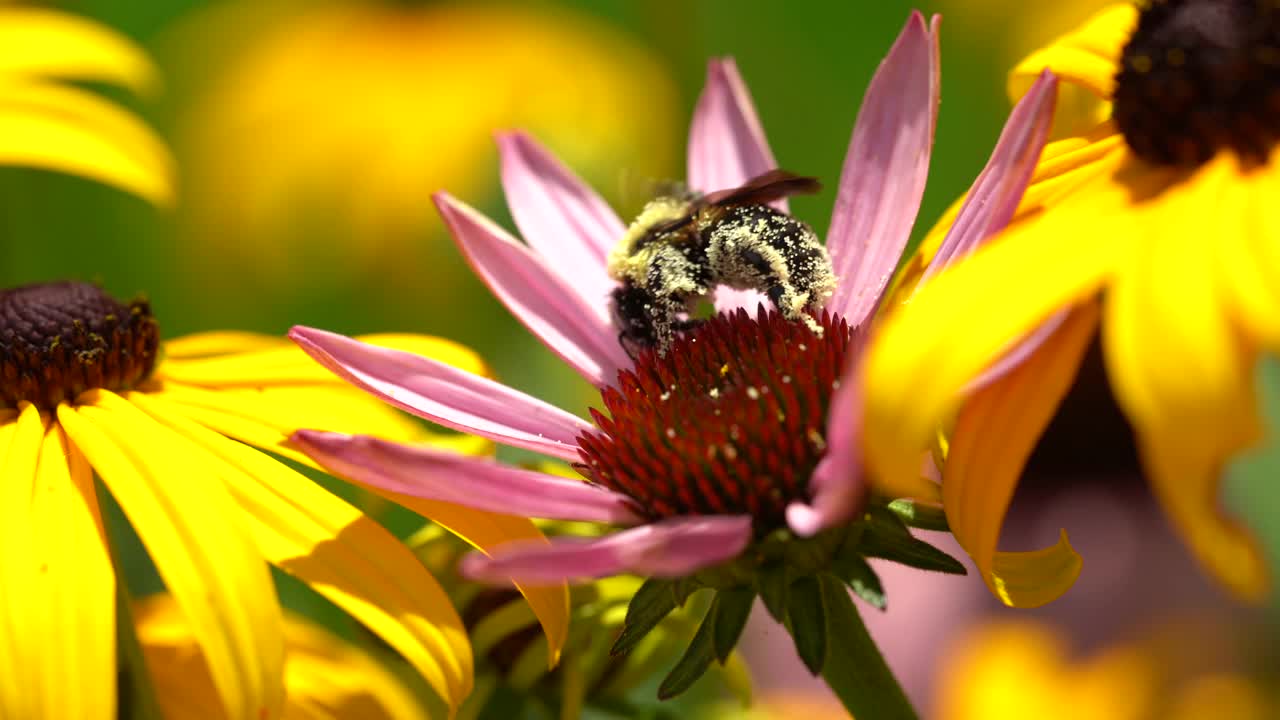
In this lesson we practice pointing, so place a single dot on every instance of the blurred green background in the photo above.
(309, 137)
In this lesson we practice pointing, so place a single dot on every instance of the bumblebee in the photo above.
(683, 246)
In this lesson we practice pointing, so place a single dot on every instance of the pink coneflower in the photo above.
(741, 441)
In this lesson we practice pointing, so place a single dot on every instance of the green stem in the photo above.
(854, 668)
(137, 699)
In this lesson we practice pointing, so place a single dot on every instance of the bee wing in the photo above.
(764, 188)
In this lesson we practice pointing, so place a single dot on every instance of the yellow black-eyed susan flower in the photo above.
(1152, 214)
(88, 388)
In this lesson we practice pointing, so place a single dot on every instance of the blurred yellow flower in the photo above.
(324, 677)
(87, 387)
(1018, 669)
(47, 123)
(1150, 221)
(328, 125)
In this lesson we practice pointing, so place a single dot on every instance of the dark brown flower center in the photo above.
(1198, 76)
(730, 420)
(59, 339)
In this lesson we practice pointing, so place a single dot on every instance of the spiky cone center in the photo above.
(1197, 76)
(60, 339)
(730, 420)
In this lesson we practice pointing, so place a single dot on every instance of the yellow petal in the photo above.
(20, 443)
(194, 533)
(1183, 373)
(485, 531)
(1249, 261)
(1086, 60)
(39, 42)
(215, 360)
(929, 350)
(326, 677)
(994, 435)
(340, 552)
(221, 342)
(73, 131)
(70, 593)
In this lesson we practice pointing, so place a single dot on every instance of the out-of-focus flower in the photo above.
(86, 386)
(510, 652)
(1023, 669)
(745, 432)
(324, 677)
(1162, 208)
(45, 122)
(330, 122)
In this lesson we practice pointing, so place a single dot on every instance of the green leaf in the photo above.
(651, 603)
(886, 537)
(807, 619)
(855, 670)
(920, 515)
(731, 608)
(773, 583)
(695, 661)
(862, 579)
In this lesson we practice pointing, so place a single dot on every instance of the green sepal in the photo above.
(855, 670)
(731, 609)
(807, 619)
(695, 661)
(887, 537)
(861, 578)
(773, 583)
(653, 601)
(920, 515)
(682, 588)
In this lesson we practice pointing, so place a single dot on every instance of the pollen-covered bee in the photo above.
(683, 246)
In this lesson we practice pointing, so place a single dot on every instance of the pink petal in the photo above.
(837, 486)
(994, 198)
(669, 548)
(578, 331)
(447, 395)
(474, 482)
(727, 145)
(884, 171)
(995, 195)
(561, 218)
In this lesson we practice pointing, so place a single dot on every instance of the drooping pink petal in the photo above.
(446, 395)
(995, 195)
(478, 483)
(577, 331)
(837, 487)
(670, 548)
(884, 171)
(727, 145)
(560, 217)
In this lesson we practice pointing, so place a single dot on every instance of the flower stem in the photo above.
(854, 668)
